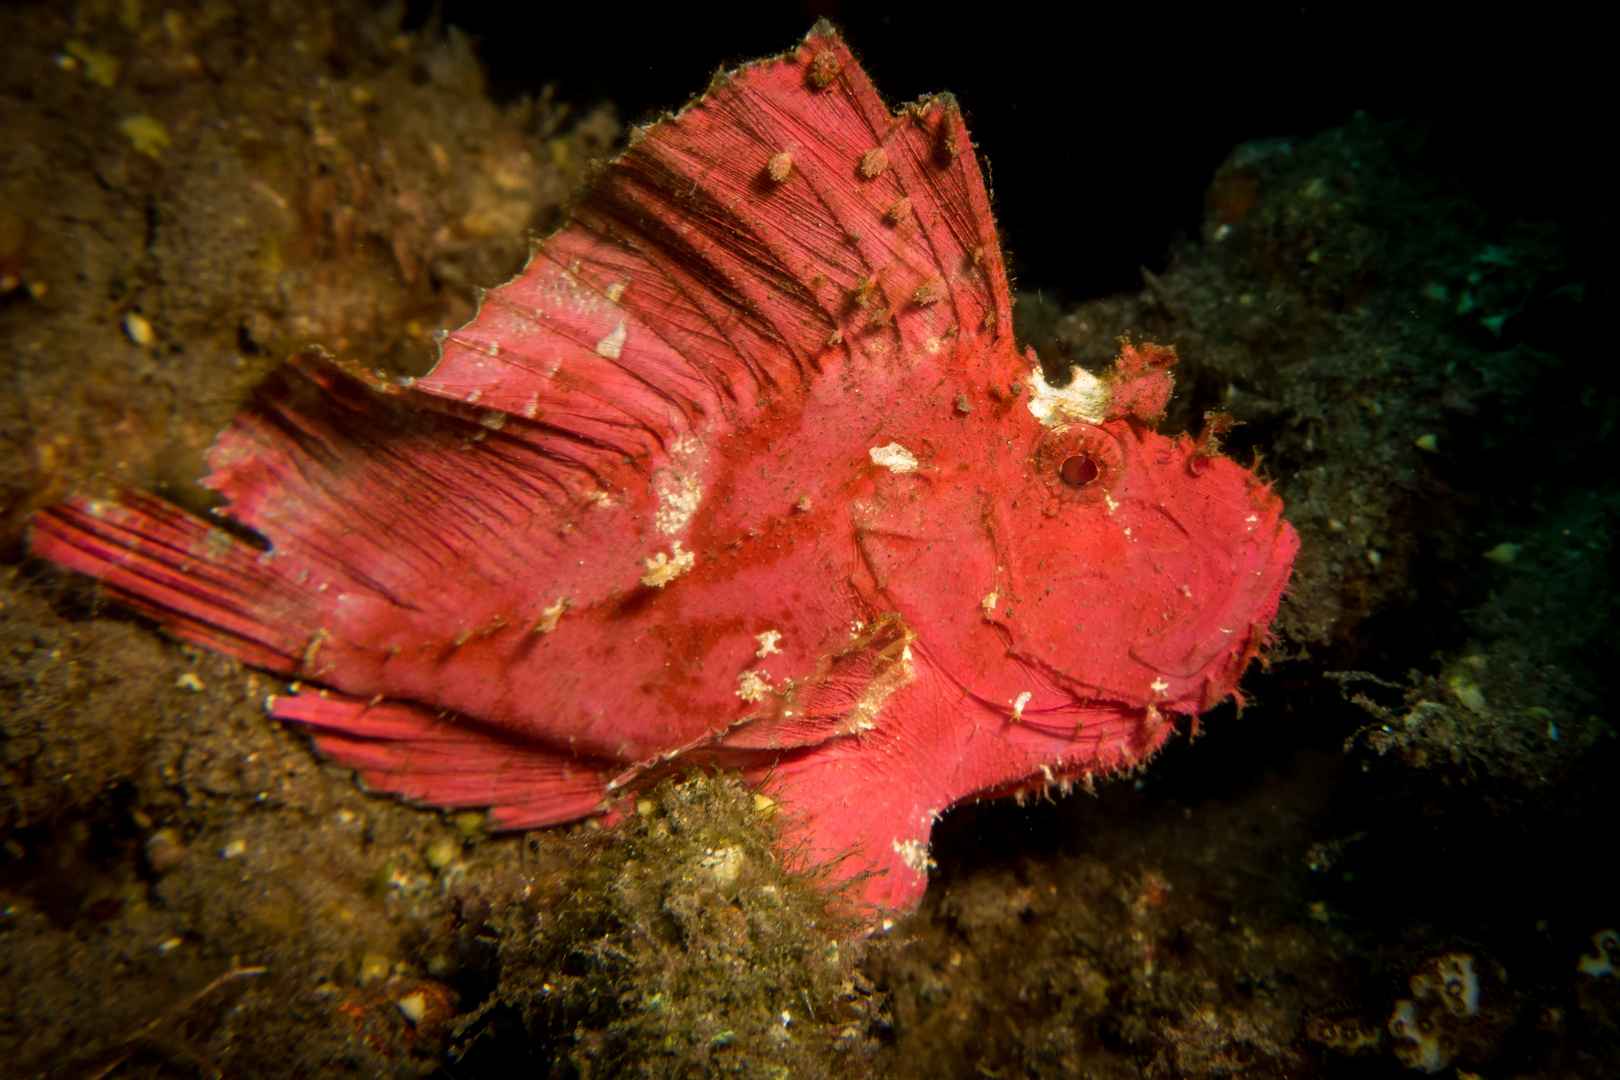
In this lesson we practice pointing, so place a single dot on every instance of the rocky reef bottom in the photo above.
(1388, 863)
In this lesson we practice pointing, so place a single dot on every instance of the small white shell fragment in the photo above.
(1601, 965)
(413, 1008)
(723, 863)
(1018, 704)
(442, 852)
(894, 457)
(768, 643)
(138, 329)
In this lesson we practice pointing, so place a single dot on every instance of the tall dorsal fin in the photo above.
(784, 213)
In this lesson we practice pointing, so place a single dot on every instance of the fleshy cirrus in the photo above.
(744, 470)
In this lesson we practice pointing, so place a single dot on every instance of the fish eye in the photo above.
(1078, 470)
(1079, 463)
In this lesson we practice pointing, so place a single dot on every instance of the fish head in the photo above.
(1134, 568)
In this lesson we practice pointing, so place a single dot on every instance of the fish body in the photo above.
(743, 470)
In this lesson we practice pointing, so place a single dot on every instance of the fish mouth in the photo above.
(1187, 648)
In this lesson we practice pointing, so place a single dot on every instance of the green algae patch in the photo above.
(679, 944)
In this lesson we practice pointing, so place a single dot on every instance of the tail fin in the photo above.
(204, 584)
(211, 588)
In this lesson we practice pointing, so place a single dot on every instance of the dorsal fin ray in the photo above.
(785, 213)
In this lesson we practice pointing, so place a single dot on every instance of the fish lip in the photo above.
(1081, 695)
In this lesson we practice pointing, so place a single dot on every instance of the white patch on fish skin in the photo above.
(679, 486)
(612, 345)
(663, 569)
(914, 853)
(989, 602)
(1086, 398)
(894, 457)
(1018, 705)
(1159, 686)
(615, 291)
(550, 616)
(753, 686)
(767, 643)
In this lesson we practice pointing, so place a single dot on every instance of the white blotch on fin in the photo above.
(663, 569)
(1018, 705)
(914, 853)
(753, 686)
(679, 486)
(550, 616)
(767, 643)
(1085, 398)
(612, 346)
(894, 457)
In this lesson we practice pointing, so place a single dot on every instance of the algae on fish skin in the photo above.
(679, 944)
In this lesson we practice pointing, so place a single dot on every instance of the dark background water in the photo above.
(1103, 123)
